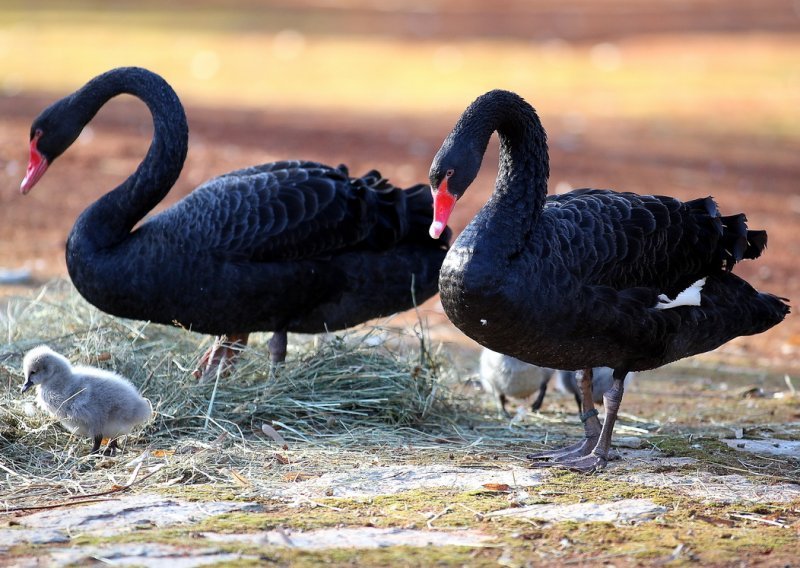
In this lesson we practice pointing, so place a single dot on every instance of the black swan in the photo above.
(285, 246)
(583, 279)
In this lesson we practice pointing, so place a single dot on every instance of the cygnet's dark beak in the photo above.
(28, 384)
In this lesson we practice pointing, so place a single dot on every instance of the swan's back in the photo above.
(295, 245)
(625, 240)
(294, 210)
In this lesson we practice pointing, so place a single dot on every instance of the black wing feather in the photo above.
(293, 210)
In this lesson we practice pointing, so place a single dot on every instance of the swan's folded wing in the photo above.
(624, 239)
(279, 211)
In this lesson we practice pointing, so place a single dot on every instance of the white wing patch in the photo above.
(689, 297)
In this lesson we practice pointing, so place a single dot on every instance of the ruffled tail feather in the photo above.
(735, 241)
(403, 214)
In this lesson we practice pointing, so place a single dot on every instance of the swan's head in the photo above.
(52, 133)
(454, 168)
(41, 364)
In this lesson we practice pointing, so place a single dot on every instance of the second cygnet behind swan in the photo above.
(87, 401)
(504, 376)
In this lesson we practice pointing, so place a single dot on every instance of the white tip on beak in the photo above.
(436, 229)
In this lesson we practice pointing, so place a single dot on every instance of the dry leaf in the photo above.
(718, 521)
(283, 459)
(162, 453)
(239, 478)
(272, 433)
(496, 487)
(294, 476)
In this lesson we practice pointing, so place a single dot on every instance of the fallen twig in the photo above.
(439, 515)
(604, 557)
(55, 505)
(758, 519)
(755, 473)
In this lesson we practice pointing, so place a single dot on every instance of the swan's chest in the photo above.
(498, 291)
(489, 260)
(478, 282)
(473, 266)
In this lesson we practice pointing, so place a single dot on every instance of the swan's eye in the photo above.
(449, 173)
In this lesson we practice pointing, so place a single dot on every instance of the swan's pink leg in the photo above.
(220, 355)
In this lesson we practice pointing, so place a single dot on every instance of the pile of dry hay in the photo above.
(372, 388)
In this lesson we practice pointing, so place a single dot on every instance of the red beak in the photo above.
(443, 204)
(36, 167)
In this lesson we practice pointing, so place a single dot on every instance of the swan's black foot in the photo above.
(220, 356)
(111, 448)
(585, 464)
(582, 448)
(591, 435)
(575, 462)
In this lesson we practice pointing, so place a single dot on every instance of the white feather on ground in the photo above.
(87, 401)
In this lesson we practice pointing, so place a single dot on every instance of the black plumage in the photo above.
(286, 246)
(573, 281)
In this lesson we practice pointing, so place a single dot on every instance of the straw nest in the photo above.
(334, 403)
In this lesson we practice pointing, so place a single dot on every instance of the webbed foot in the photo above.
(111, 448)
(580, 449)
(220, 356)
(584, 464)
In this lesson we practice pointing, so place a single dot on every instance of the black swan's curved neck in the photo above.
(524, 163)
(110, 219)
